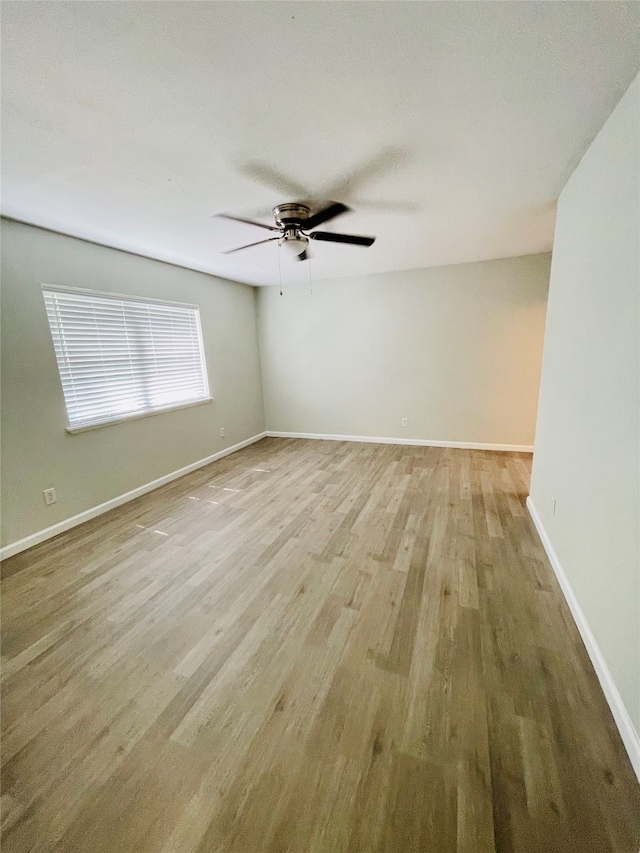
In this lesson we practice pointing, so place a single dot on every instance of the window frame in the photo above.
(140, 300)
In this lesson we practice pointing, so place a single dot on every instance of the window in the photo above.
(121, 357)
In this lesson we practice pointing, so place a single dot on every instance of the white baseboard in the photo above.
(620, 715)
(418, 442)
(75, 520)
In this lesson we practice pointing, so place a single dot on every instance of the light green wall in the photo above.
(92, 467)
(457, 350)
(587, 452)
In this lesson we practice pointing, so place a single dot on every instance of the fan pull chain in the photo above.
(310, 283)
(279, 270)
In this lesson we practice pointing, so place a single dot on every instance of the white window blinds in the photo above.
(120, 357)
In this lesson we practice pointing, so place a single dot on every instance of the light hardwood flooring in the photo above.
(307, 647)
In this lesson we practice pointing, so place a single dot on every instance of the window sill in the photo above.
(137, 416)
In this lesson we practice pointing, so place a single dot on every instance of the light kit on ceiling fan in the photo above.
(294, 244)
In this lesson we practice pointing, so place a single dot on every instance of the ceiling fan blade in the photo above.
(248, 246)
(270, 177)
(248, 221)
(385, 161)
(343, 238)
(406, 207)
(332, 210)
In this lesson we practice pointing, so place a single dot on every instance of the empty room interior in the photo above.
(320, 427)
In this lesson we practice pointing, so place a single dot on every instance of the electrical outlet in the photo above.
(553, 507)
(405, 422)
(222, 432)
(50, 496)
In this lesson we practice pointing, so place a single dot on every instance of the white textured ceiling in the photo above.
(132, 123)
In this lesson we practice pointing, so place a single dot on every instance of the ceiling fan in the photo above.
(295, 224)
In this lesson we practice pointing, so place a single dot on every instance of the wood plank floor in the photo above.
(307, 647)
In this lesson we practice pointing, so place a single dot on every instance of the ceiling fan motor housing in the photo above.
(292, 214)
